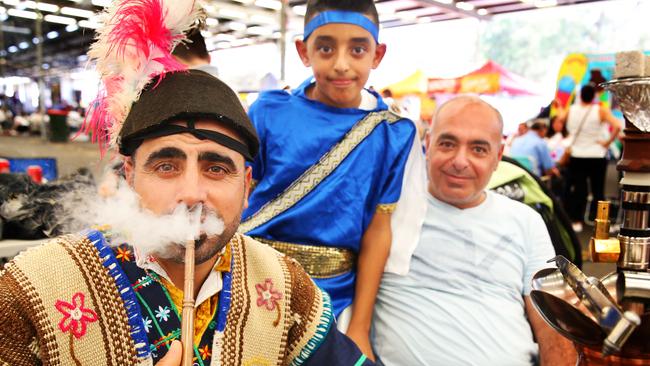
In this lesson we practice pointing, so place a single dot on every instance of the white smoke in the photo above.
(130, 223)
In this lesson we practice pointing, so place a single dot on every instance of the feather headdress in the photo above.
(133, 46)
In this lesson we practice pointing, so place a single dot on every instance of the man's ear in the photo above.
(129, 170)
(301, 47)
(380, 52)
(248, 180)
(501, 147)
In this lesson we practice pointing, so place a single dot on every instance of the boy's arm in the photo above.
(375, 247)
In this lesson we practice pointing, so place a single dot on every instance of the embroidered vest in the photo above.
(74, 301)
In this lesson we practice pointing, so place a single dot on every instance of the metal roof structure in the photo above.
(67, 26)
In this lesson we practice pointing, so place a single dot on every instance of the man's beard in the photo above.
(206, 247)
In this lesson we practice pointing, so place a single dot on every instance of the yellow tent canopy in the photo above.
(416, 83)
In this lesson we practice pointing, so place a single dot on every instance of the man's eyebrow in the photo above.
(214, 157)
(447, 136)
(165, 153)
(480, 142)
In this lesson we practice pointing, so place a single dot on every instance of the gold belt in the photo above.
(317, 261)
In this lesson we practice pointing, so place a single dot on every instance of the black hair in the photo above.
(587, 93)
(366, 7)
(550, 131)
(194, 47)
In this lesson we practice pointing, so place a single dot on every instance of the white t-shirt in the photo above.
(593, 130)
(461, 302)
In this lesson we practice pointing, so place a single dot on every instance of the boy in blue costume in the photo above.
(331, 163)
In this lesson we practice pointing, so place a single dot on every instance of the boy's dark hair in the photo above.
(366, 7)
(193, 48)
(587, 93)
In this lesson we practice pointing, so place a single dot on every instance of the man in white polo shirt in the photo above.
(465, 297)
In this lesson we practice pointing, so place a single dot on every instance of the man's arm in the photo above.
(554, 350)
(18, 337)
(375, 247)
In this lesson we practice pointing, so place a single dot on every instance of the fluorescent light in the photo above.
(52, 34)
(59, 19)
(269, 4)
(545, 3)
(241, 42)
(482, 12)
(237, 26)
(3, 53)
(36, 40)
(40, 6)
(46, 66)
(2, 10)
(12, 49)
(72, 27)
(12, 2)
(465, 6)
(103, 3)
(75, 12)
(300, 10)
(233, 14)
(263, 19)
(88, 24)
(23, 45)
(206, 34)
(211, 22)
(3, 17)
(407, 16)
(22, 13)
(225, 37)
(260, 31)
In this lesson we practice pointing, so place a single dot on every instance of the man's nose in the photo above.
(191, 191)
(460, 160)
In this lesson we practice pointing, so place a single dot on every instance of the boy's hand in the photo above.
(363, 342)
(174, 355)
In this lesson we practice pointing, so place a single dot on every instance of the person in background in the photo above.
(194, 53)
(465, 299)
(588, 123)
(532, 145)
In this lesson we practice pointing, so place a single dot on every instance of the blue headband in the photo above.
(340, 16)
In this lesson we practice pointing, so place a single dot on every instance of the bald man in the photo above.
(465, 299)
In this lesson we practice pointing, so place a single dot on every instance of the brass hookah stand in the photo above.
(608, 319)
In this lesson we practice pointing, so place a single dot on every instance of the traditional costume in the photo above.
(323, 172)
(78, 301)
(83, 300)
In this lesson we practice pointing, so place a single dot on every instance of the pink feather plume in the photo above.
(133, 46)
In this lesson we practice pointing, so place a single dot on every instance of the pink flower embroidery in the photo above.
(267, 296)
(75, 315)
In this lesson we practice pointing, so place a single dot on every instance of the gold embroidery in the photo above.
(319, 171)
(318, 261)
(386, 208)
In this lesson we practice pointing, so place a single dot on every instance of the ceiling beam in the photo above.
(454, 9)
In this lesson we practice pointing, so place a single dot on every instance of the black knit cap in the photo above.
(187, 95)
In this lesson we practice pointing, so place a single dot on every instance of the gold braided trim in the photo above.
(318, 261)
(386, 208)
(319, 171)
